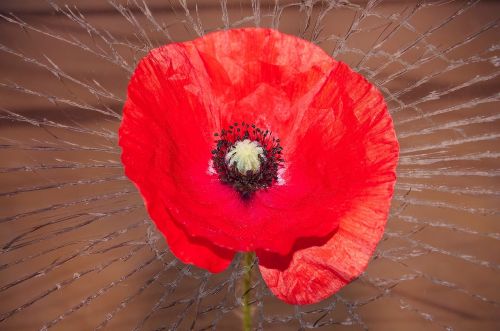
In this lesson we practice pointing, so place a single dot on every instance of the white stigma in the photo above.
(245, 154)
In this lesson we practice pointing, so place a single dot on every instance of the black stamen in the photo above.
(246, 184)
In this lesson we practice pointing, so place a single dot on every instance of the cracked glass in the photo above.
(78, 250)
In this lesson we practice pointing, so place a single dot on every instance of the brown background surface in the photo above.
(78, 251)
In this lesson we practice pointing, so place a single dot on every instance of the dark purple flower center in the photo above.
(247, 158)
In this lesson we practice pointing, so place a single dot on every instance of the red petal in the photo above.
(197, 251)
(313, 273)
(317, 272)
(147, 163)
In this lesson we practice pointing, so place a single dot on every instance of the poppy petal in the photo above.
(148, 166)
(191, 250)
(311, 274)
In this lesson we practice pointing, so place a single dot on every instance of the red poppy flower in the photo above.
(254, 140)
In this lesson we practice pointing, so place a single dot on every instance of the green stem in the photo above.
(247, 283)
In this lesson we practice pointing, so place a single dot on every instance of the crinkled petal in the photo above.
(313, 273)
(147, 164)
(191, 250)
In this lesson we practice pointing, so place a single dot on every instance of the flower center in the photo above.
(247, 158)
